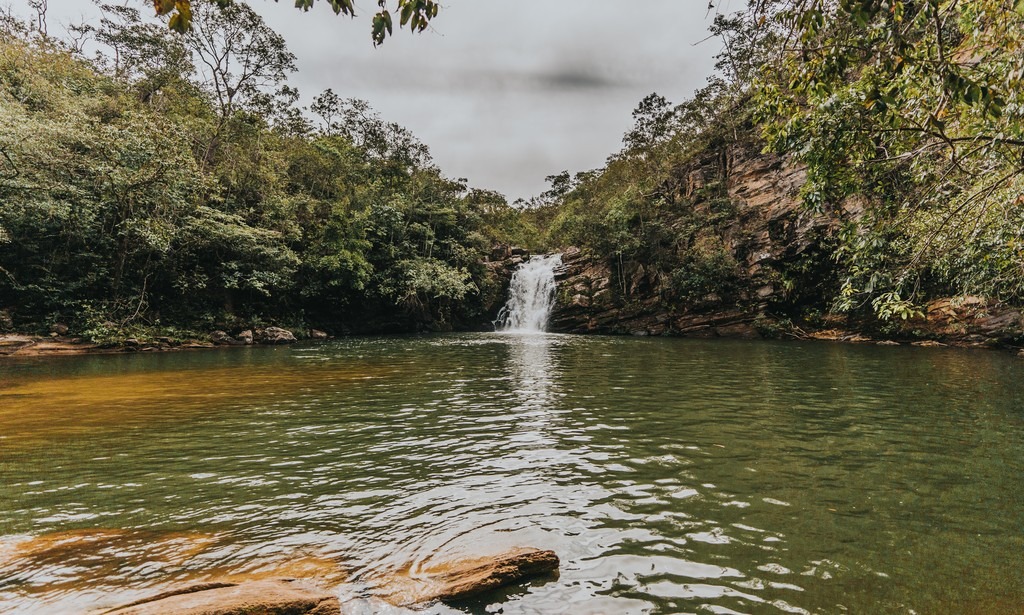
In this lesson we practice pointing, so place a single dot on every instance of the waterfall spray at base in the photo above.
(531, 296)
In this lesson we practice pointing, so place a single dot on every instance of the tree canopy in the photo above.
(416, 14)
(139, 196)
(908, 119)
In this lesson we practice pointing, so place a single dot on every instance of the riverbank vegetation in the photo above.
(157, 187)
(854, 160)
(906, 121)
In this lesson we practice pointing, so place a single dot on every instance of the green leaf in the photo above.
(377, 33)
(178, 23)
(973, 94)
(936, 123)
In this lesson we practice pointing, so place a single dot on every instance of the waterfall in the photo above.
(531, 295)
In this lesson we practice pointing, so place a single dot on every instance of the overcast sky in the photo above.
(505, 92)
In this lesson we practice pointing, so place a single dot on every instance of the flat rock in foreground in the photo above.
(277, 597)
(462, 579)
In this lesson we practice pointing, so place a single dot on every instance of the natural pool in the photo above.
(669, 475)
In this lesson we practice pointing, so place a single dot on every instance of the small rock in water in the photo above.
(277, 596)
(888, 343)
(317, 334)
(461, 579)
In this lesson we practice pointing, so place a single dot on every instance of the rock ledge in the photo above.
(278, 597)
(461, 579)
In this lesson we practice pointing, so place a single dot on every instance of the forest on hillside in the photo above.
(154, 187)
(904, 122)
(142, 194)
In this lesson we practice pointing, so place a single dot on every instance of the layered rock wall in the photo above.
(767, 227)
(784, 268)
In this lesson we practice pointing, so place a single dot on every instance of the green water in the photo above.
(669, 475)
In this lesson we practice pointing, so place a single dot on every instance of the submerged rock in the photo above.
(284, 597)
(461, 579)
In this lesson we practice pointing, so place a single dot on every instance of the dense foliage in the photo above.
(140, 193)
(920, 107)
(909, 120)
(173, 181)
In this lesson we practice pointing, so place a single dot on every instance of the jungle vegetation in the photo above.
(172, 183)
(916, 108)
(155, 185)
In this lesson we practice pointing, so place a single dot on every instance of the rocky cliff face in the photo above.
(587, 303)
(779, 268)
(765, 229)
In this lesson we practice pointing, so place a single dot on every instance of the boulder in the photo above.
(460, 579)
(221, 337)
(317, 334)
(276, 597)
(276, 335)
(500, 252)
(245, 337)
(59, 328)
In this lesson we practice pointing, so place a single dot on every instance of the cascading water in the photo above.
(531, 296)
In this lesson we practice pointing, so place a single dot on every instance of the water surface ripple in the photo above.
(669, 475)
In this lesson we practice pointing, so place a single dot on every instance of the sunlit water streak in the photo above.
(669, 475)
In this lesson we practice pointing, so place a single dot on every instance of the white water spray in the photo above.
(531, 296)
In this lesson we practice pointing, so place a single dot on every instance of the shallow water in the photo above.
(669, 475)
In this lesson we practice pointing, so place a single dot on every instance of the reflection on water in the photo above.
(531, 369)
(669, 475)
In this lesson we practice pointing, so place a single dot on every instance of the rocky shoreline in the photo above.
(970, 323)
(587, 303)
(305, 585)
(59, 342)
